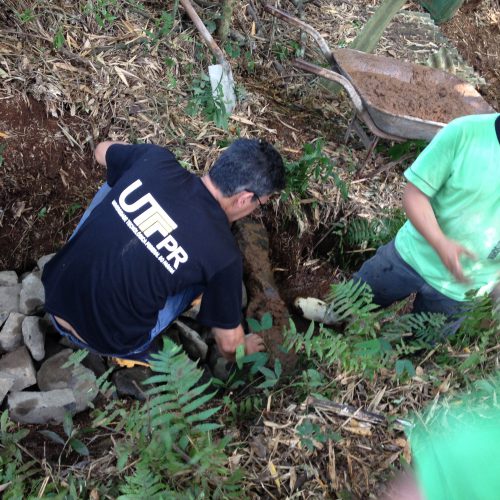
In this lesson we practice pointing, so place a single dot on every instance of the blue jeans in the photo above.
(174, 306)
(392, 279)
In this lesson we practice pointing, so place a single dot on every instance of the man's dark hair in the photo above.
(249, 165)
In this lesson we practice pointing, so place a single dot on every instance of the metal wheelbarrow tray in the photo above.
(395, 99)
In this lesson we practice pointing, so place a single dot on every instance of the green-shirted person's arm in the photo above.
(419, 211)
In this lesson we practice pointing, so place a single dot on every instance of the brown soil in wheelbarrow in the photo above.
(419, 98)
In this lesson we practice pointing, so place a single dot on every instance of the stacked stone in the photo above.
(38, 390)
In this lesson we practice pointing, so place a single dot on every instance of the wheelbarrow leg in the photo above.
(355, 125)
(372, 147)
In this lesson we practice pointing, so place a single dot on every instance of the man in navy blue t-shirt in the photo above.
(155, 237)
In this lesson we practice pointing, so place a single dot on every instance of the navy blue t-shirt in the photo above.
(157, 232)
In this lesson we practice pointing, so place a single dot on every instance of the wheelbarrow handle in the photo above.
(336, 77)
(285, 16)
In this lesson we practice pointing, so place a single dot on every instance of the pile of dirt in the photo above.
(421, 97)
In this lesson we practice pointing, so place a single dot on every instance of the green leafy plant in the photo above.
(168, 443)
(101, 10)
(364, 233)
(14, 472)
(2, 149)
(315, 165)
(26, 15)
(163, 27)
(59, 40)
(400, 149)
(311, 433)
(71, 441)
(73, 209)
(372, 337)
(203, 99)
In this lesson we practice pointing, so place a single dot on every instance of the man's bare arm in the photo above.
(102, 148)
(229, 339)
(419, 210)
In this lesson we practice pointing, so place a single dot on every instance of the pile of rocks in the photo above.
(34, 375)
(38, 381)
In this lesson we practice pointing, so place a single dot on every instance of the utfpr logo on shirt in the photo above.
(151, 219)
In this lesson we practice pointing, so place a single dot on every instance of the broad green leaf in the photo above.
(53, 436)
(68, 424)
(266, 321)
(79, 447)
(240, 355)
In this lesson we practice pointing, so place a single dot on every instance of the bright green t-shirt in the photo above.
(460, 173)
(458, 456)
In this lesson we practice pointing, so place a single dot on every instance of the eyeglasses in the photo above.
(258, 199)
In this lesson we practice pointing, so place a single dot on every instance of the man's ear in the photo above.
(243, 198)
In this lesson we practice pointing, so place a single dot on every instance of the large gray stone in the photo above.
(6, 383)
(11, 336)
(78, 379)
(41, 407)
(8, 278)
(9, 298)
(129, 382)
(19, 365)
(34, 337)
(43, 260)
(32, 296)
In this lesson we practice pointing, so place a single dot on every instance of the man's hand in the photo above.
(254, 343)
(228, 340)
(450, 252)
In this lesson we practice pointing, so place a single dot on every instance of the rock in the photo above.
(222, 369)
(41, 407)
(19, 365)
(95, 363)
(192, 341)
(3, 317)
(129, 382)
(34, 337)
(43, 260)
(6, 383)
(8, 278)
(11, 336)
(78, 379)
(32, 296)
(9, 298)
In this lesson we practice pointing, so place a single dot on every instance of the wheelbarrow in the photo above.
(358, 73)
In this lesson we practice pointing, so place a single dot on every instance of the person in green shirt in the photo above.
(451, 241)
(455, 456)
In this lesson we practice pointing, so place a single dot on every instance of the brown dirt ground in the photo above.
(45, 181)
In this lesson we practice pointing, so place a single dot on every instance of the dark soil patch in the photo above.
(45, 181)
